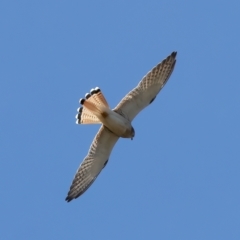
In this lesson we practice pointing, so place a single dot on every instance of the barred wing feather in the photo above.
(93, 163)
(147, 89)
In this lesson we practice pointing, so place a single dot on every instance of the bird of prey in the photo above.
(116, 123)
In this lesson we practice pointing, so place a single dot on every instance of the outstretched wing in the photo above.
(147, 89)
(93, 163)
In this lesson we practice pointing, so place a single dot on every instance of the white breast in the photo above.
(116, 123)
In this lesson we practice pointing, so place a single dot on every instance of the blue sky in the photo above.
(179, 178)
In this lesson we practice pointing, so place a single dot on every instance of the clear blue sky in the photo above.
(179, 178)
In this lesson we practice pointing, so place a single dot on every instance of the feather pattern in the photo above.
(84, 116)
(93, 163)
(98, 97)
(147, 89)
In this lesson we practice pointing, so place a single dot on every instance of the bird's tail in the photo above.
(93, 107)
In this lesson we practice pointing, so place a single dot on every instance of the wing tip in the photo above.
(174, 54)
(68, 199)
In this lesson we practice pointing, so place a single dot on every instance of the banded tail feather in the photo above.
(97, 96)
(86, 117)
(93, 105)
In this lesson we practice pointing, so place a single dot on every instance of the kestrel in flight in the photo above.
(116, 123)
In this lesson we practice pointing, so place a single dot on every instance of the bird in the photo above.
(116, 123)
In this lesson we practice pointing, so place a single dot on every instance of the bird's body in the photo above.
(115, 123)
